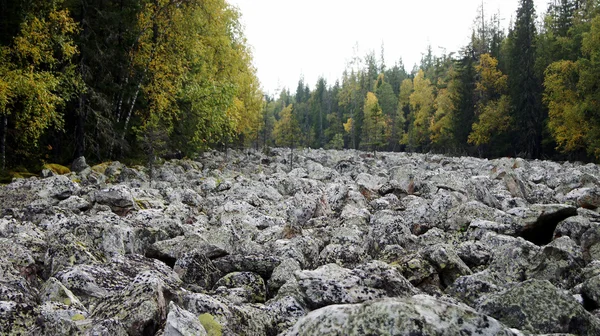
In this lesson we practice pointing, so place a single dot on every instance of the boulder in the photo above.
(416, 315)
(536, 306)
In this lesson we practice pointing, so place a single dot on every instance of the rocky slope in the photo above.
(344, 244)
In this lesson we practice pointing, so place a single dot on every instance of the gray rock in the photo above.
(118, 198)
(332, 284)
(538, 306)
(447, 263)
(79, 165)
(474, 254)
(182, 323)
(417, 315)
(252, 285)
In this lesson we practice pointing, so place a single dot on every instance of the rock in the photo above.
(238, 244)
(573, 227)
(538, 306)
(559, 262)
(259, 264)
(417, 315)
(447, 263)
(511, 257)
(538, 222)
(75, 204)
(472, 289)
(251, 283)
(182, 323)
(79, 165)
(332, 284)
(142, 306)
(195, 268)
(282, 273)
(118, 198)
(474, 254)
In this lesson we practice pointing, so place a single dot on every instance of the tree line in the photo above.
(123, 79)
(533, 92)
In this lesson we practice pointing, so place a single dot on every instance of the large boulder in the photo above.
(536, 306)
(416, 315)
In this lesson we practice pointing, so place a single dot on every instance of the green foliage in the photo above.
(287, 129)
(572, 96)
(422, 106)
(493, 109)
(376, 125)
(37, 77)
(337, 142)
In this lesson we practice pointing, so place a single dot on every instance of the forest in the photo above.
(136, 80)
(531, 92)
(127, 80)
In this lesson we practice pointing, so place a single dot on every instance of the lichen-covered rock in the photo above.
(446, 262)
(253, 286)
(590, 292)
(417, 315)
(573, 227)
(282, 273)
(117, 197)
(332, 284)
(472, 289)
(195, 268)
(474, 254)
(244, 243)
(538, 306)
(511, 257)
(559, 262)
(79, 165)
(142, 306)
(182, 323)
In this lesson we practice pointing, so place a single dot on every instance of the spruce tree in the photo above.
(525, 86)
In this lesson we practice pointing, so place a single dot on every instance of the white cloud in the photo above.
(316, 38)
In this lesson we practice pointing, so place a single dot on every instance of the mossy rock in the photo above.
(212, 327)
(57, 169)
(7, 177)
(101, 167)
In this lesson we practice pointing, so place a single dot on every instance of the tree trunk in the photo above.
(3, 129)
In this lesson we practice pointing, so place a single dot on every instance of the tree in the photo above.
(421, 102)
(441, 129)
(375, 131)
(403, 112)
(388, 101)
(572, 96)
(524, 84)
(287, 131)
(493, 107)
(37, 78)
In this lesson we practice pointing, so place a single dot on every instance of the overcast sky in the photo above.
(316, 38)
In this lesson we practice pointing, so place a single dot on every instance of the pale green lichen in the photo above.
(212, 327)
(78, 317)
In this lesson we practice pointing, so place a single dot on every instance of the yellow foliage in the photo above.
(492, 82)
(349, 125)
(422, 101)
(566, 119)
(493, 120)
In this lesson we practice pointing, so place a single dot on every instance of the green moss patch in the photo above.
(213, 328)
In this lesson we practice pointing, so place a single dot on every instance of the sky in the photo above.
(313, 38)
